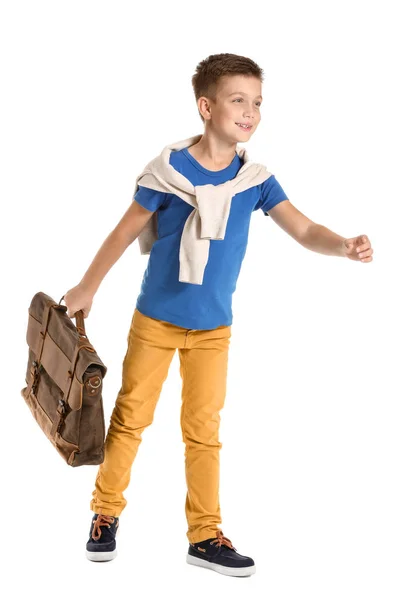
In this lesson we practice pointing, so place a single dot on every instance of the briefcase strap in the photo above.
(34, 370)
(61, 414)
(81, 344)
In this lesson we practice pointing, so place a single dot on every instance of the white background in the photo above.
(91, 91)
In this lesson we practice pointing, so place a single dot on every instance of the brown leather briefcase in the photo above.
(64, 381)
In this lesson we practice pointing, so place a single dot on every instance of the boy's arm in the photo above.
(126, 231)
(307, 233)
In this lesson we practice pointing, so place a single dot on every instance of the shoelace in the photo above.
(221, 539)
(101, 520)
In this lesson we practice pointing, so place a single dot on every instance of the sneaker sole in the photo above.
(101, 556)
(233, 571)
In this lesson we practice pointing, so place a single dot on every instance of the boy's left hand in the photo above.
(358, 248)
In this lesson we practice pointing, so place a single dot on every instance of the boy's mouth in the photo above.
(244, 126)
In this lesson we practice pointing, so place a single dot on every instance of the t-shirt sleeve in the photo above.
(271, 194)
(150, 199)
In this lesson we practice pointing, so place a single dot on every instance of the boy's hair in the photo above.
(210, 70)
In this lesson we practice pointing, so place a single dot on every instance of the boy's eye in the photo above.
(259, 103)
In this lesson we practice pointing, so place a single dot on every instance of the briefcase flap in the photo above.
(59, 347)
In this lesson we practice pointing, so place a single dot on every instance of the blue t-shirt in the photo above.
(192, 306)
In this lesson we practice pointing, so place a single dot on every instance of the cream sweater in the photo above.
(211, 205)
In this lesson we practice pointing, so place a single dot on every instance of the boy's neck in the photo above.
(212, 153)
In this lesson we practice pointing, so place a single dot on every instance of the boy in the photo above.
(191, 211)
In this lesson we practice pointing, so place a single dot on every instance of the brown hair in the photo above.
(210, 70)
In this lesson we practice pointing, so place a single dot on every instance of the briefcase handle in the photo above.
(80, 321)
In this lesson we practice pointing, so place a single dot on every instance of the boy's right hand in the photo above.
(78, 298)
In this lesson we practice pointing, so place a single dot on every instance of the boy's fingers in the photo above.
(366, 253)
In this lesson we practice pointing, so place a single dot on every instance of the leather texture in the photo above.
(64, 382)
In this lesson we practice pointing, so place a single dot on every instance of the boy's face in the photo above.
(238, 100)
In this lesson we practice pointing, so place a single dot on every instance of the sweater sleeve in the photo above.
(150, 199)
(271, 193)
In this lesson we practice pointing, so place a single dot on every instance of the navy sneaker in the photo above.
(219, 555)
(101, 545)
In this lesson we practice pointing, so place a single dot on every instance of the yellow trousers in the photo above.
(203, 356)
